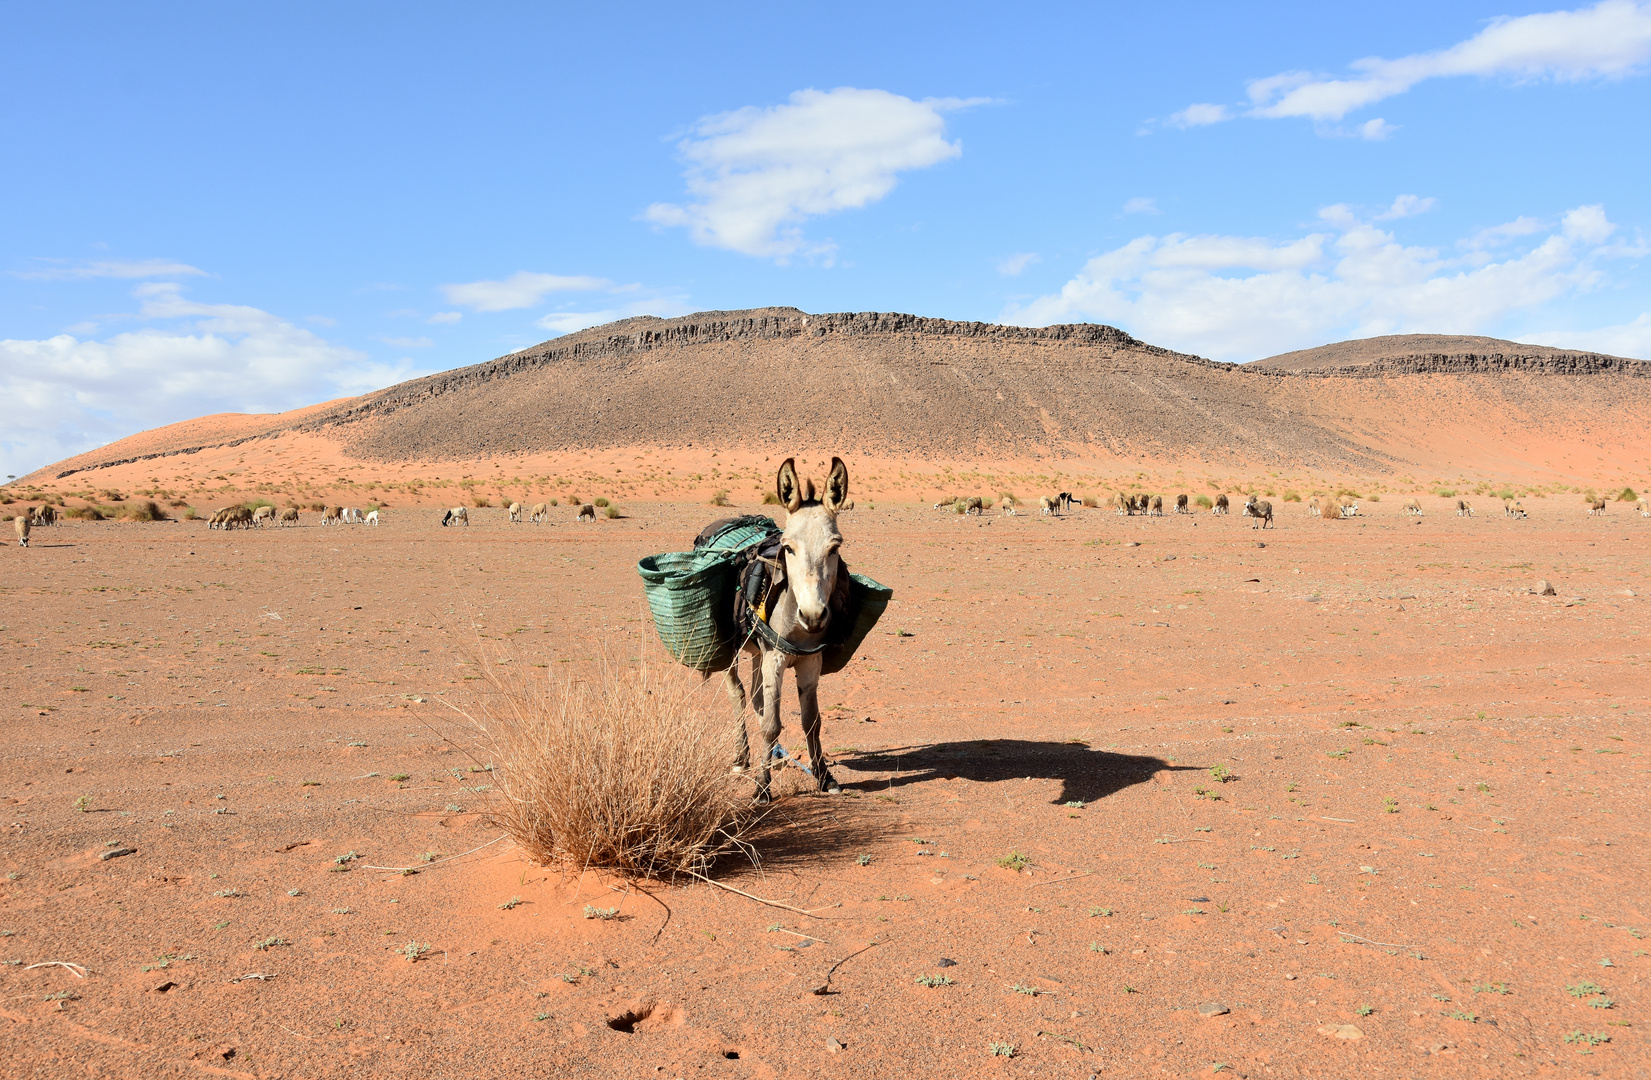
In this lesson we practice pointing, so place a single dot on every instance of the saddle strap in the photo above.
(767, 636)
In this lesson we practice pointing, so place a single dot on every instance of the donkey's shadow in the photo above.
(1085, 775)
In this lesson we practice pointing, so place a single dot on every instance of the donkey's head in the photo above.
(809, 545)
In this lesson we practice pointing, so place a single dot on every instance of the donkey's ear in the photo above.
(786, 486)
(836, 493)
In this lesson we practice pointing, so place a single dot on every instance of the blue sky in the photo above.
(211, 208)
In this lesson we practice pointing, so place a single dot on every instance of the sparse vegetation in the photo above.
(933, 980)
(1013, 861)
(602, 913)
(415, 951)
(1001, 1049)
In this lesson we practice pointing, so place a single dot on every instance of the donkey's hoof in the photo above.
(829, 784)
(762, 798)
(736, 769)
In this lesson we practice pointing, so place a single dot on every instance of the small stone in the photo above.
(1544, 588)
(1133, 543)
(1213, 1008)
(115, 853)
(1169, 558)
(1341, 1031)
(1291, 978)
(835, 1047)
(165, 986)
(1260, 543)
(945, 963)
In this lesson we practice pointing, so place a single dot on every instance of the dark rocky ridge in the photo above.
(1441, 354)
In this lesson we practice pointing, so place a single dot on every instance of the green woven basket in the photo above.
(691, 594)
(867, 600)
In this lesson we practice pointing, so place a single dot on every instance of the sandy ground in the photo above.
(1427, 858)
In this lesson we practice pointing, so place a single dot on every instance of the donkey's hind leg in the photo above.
(736, 694)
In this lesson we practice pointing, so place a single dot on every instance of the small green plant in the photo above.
(933, 980)
(1458, 1014)
(720, 498)
(1391, 805)
(603, 913)
(611, 513)
(1013, 861)
(1492, 988)
(1602, 1003)
(511, 903)
(1100, 912)
(1220, 774)
(541, 1016)
(1075, 804)
(414, 951)
(83, 802)
(1029, 991)
(399, 777)
(1582, 1038)
(271, 943)
(1584, 989)
(1001, 1049)
(345, 859)
(600, 500)
(231, 893)
(1364, 1010)
(310, 783)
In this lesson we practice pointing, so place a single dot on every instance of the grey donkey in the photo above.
(799, 611)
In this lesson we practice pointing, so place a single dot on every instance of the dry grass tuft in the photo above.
(628, 770)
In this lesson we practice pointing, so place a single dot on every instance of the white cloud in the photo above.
(520, 290)
(69, 395)
(1200, 115)
(1014, 264)
(1141, 205)
(1238, 298)
(1497, 235)
(444, 318)
(1631, 339)
(756, 174)
(1407, 206)
(1376, 130)
(566, 322)
(408, 342)
(110, 268)
(1609, 40)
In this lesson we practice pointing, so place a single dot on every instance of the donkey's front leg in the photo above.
(736, 694)
(808, 684)
(768, 710)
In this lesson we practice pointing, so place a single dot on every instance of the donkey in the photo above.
(815, 591)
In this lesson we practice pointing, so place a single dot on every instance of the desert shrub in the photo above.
(1627, 494)
(1205, 501)
(179, 503)
(610, 511)
(628, 770)
(142, 511)
(1010, 496)
(481, 502)
(601, 500)
(1091, 501)
(770, 499)
(720, 498)
(553, 502)
(253, 504)
(1292, 496)
(1375, 498)
(319, 508)
(85, 513)
(962, 506)
(189, 514)
(1446, 493)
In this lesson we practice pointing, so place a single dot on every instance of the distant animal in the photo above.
(1313, 508)
(1141, 503)
(1463, 509)
(236, 517)
(539, 513)
(1181, 505)
(1120, 505)
(289, 516)
(947, 501)
(1007, 506)
(1220, 506)
(1413, 507)
(372, 517)
(1349, 509)
(22, 525)
(1644, 508)
(263, 514)
(1066, 501)
(332, 515)
(353, 515)
(1596, 507)
(1157, 505)
(516, 513)
(43, 515)
(587, 512)
(456, 516)
(1507, 508)
(1046, 505)
(1262, 511)
(1519, 510)
(814, 593)
(973, 505)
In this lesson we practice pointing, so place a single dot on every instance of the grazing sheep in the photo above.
(1519, 510)
(1596, 507)
(947, 501)
(1120, 505)
(1644, 508)
(1157, 505)
(974, 505)
(234, 516)
(1181, 505)
(43, 515)
(1349, 509)
(460, 516)
(1413, 507)
(263, 514)
(587, 512)
(1464, 510)
(1141, 503)
(289, 516)
(1313, 507)
(1220, 506)
(332, 515)
(1046, 505)
(1007, 506)
(539, 513)
(1507, 508)
(371, 518)
(516, 513)
(1262, 511)
(21, 524)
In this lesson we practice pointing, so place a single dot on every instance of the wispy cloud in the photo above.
(1609, 40)
(663, 306)
(444, 318)
(1014, 264)
(1407, 206)
(1237, 298)
(520, 290)
(70, 394)
(756, 174)
(67, 270)
(408, 342)
(1141, 205)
